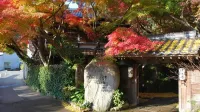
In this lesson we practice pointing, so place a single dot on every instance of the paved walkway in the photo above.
(15, 96)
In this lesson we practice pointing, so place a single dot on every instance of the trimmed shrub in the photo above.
(51, 80)
(32, 78)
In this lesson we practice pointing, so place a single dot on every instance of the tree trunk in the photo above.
(42, 51)
(22, 55)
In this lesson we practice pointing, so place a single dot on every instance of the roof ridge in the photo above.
(175, 35)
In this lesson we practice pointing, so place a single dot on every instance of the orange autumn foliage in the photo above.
(16, 21)
(82, 23)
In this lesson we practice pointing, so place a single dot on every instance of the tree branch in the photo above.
(184, 22)
(21, 55)
(60, 7)
(148, 31)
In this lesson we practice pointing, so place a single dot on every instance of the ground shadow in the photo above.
(32, 101)
(155, 105)
(159, 101)
(39, 105)
(10, 81)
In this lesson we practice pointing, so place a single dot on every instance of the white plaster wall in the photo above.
(1, 62)
(13, 59)
(29, 52)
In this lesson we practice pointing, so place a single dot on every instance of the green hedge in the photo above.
(51, 80)
(32, 78)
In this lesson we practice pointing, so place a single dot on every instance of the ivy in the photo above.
(51, 80)
(118, 98)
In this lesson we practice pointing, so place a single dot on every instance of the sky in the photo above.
(72, 5)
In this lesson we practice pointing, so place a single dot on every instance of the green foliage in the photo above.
(32, 78)
(195, 106)
(118, 98)
(51, 80)
(70, 53)
(171, 6)
(105, 59)
(68, 91)
(106, 28)
(74, 94)
(86, 105)
(158, 78)
(141, 9)
(57, 81)
(7, 50)
(21, 66)
(78, 96)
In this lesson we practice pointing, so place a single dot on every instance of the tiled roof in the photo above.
(178, 47)
(172, 48)
(80, 14)
(76, 13)
(174, 45)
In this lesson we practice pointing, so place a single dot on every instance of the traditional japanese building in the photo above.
(178, 48)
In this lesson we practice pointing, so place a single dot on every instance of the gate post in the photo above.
(184, 90)
(129, 83)
(79, 75)
(133, 84)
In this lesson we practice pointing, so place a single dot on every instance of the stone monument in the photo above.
(101, 79)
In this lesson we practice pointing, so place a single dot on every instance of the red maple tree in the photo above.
(124, 40)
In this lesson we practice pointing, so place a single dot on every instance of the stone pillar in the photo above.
(79, 75)
(25, 71)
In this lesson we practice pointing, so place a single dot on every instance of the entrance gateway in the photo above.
(182, 48)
